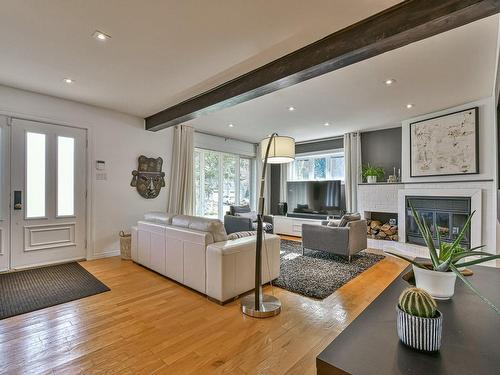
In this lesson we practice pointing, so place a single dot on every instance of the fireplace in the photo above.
(444, 214)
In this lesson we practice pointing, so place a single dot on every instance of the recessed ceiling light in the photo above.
(390, 81)
(291, 108)
(326, 124)
(68, 80)
(99, 35)
(231, 125)
(409, 106)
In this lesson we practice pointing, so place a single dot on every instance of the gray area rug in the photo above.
(35, 289)
(318, 274)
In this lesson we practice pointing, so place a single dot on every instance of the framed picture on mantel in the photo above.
(445, 145)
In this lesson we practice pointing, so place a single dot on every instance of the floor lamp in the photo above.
(274, 150)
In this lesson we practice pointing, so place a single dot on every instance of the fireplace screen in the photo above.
(444, 214)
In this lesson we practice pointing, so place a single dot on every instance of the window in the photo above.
(221, 180)
(317, 167)
(35, 175)
(65, 176)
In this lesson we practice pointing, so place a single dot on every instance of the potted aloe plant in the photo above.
(438, 278)
(372, 173)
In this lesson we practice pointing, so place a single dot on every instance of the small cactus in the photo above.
(417, 302)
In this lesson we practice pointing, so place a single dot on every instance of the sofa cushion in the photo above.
(236, 235)
(348, 217)
(203, 224)
(159, 217)
(233, 210)
(333, 223)
(252, 215)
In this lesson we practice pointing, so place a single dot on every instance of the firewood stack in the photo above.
(381, 231)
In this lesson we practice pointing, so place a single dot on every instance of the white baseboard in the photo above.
(104, 255)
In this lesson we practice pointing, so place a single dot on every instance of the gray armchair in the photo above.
(346, 241)
(234, 223)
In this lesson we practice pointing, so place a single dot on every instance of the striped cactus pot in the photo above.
(420, 333)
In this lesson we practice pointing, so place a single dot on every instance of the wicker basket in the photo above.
(125, 245)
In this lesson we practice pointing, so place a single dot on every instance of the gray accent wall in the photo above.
(382, 148)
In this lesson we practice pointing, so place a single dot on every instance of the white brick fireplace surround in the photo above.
(391, 198)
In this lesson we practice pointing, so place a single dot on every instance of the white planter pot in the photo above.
(440, 285)
(371, 179)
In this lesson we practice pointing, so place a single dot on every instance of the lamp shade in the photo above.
(282, 149)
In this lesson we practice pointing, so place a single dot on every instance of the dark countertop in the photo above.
(470, 343)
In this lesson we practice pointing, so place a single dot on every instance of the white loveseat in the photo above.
(196, 252)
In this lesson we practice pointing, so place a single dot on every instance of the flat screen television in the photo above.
(313, 197)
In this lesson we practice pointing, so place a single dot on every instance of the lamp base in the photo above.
(270, 306)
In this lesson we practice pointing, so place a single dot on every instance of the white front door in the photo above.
(48, 193)
(4, 195)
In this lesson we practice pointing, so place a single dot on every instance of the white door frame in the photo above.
(89, 203)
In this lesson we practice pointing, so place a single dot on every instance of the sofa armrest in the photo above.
(268, 219)
(357, 236)
(237, 224)
(231, 265)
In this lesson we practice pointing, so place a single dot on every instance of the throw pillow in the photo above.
(239, 209)
(333, 223)
(349, 217)
(236, 235)
(252, 215)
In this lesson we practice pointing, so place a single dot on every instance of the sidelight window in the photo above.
(35, 175)
(65, 176)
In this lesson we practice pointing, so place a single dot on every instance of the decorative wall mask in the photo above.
(148, 178)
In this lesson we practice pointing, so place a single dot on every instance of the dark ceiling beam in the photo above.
(395, 27)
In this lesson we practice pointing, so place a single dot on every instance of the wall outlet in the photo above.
(101, 176)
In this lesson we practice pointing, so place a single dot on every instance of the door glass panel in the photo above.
(211, 185)
(443, 225)
(198, 190)
(35, 175)
(229, 181)
(245, 181)
(65, 176)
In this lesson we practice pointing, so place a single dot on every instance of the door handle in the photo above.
(18, 200)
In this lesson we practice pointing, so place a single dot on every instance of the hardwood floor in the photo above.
(148, 324)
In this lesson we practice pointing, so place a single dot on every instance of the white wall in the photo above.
(487, 166)
(487, 139)
(115, 138)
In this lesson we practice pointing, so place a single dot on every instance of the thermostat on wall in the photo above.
(100, 165)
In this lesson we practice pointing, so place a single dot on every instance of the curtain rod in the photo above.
(222, 136)
(240, 140)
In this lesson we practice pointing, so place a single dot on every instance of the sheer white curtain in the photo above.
(352, 159)
(267, 185)
(180, 199)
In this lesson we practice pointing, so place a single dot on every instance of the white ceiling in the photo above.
(437, 73)
(161, 52)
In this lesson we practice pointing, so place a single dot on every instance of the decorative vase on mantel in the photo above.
(371, 179)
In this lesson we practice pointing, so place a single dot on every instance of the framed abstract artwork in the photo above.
(445, 145)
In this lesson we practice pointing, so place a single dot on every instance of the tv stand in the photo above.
(292, 226)
(304, 215)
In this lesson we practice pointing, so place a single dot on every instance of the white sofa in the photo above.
(196, 252)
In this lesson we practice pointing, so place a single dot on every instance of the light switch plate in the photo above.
(101, 176)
